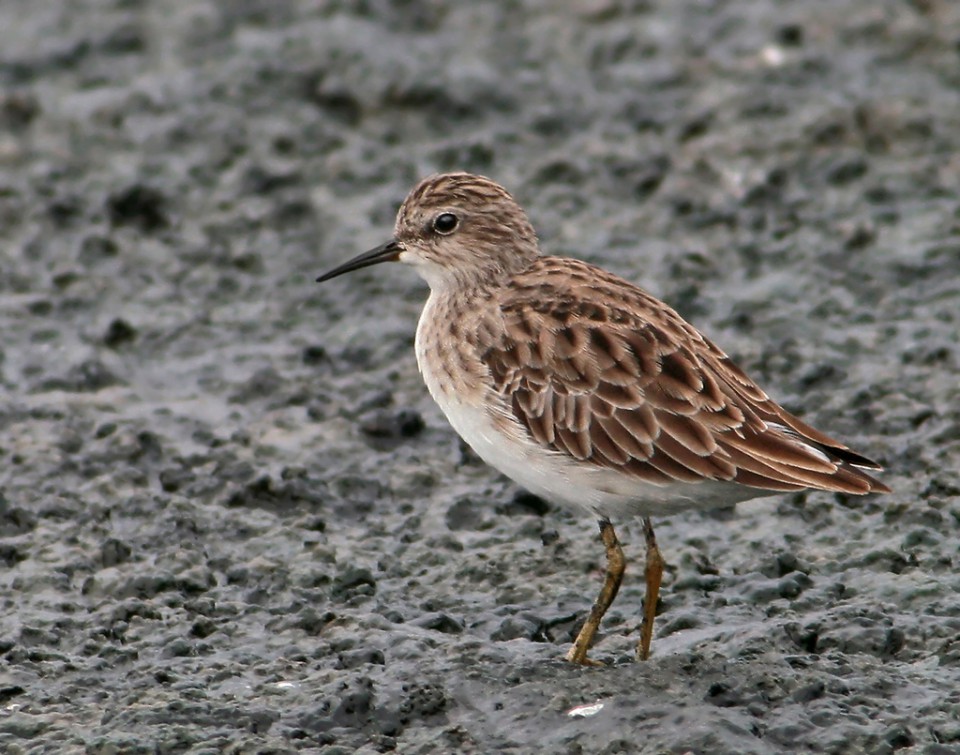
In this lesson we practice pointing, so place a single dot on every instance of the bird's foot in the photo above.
(575, 655)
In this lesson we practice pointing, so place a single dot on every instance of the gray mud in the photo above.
(231, 519)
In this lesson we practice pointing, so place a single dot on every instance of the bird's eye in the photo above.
(445, 222)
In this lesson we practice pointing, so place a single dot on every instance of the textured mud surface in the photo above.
(231, 519)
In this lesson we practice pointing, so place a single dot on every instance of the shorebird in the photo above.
(587, 390)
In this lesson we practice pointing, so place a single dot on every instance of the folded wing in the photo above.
(610, 376)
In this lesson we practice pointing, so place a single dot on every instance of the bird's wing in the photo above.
(610, 376)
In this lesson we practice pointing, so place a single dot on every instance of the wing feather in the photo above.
(612, 377)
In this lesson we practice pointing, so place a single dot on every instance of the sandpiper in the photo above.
(587, 390)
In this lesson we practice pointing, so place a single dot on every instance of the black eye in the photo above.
(445, 222)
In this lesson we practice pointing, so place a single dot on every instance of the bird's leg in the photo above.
(654, 572)
(616, 564)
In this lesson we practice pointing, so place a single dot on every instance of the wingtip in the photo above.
(874, 485)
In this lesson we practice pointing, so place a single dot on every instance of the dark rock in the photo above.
(141, 206)
(394, 425)
(358, 658)
(439, 622)
(524, 502)
(353, 581)
(114, 552)
(119, 333)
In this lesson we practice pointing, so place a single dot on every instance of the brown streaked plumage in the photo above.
(586, 389)
(613, 377)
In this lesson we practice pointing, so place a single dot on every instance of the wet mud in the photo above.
(231, 520)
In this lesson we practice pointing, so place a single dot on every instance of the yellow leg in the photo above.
(654, 573)
(616, 564)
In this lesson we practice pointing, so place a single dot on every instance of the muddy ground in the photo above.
(231, 520)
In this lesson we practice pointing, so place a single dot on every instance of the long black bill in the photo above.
(388, 252)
